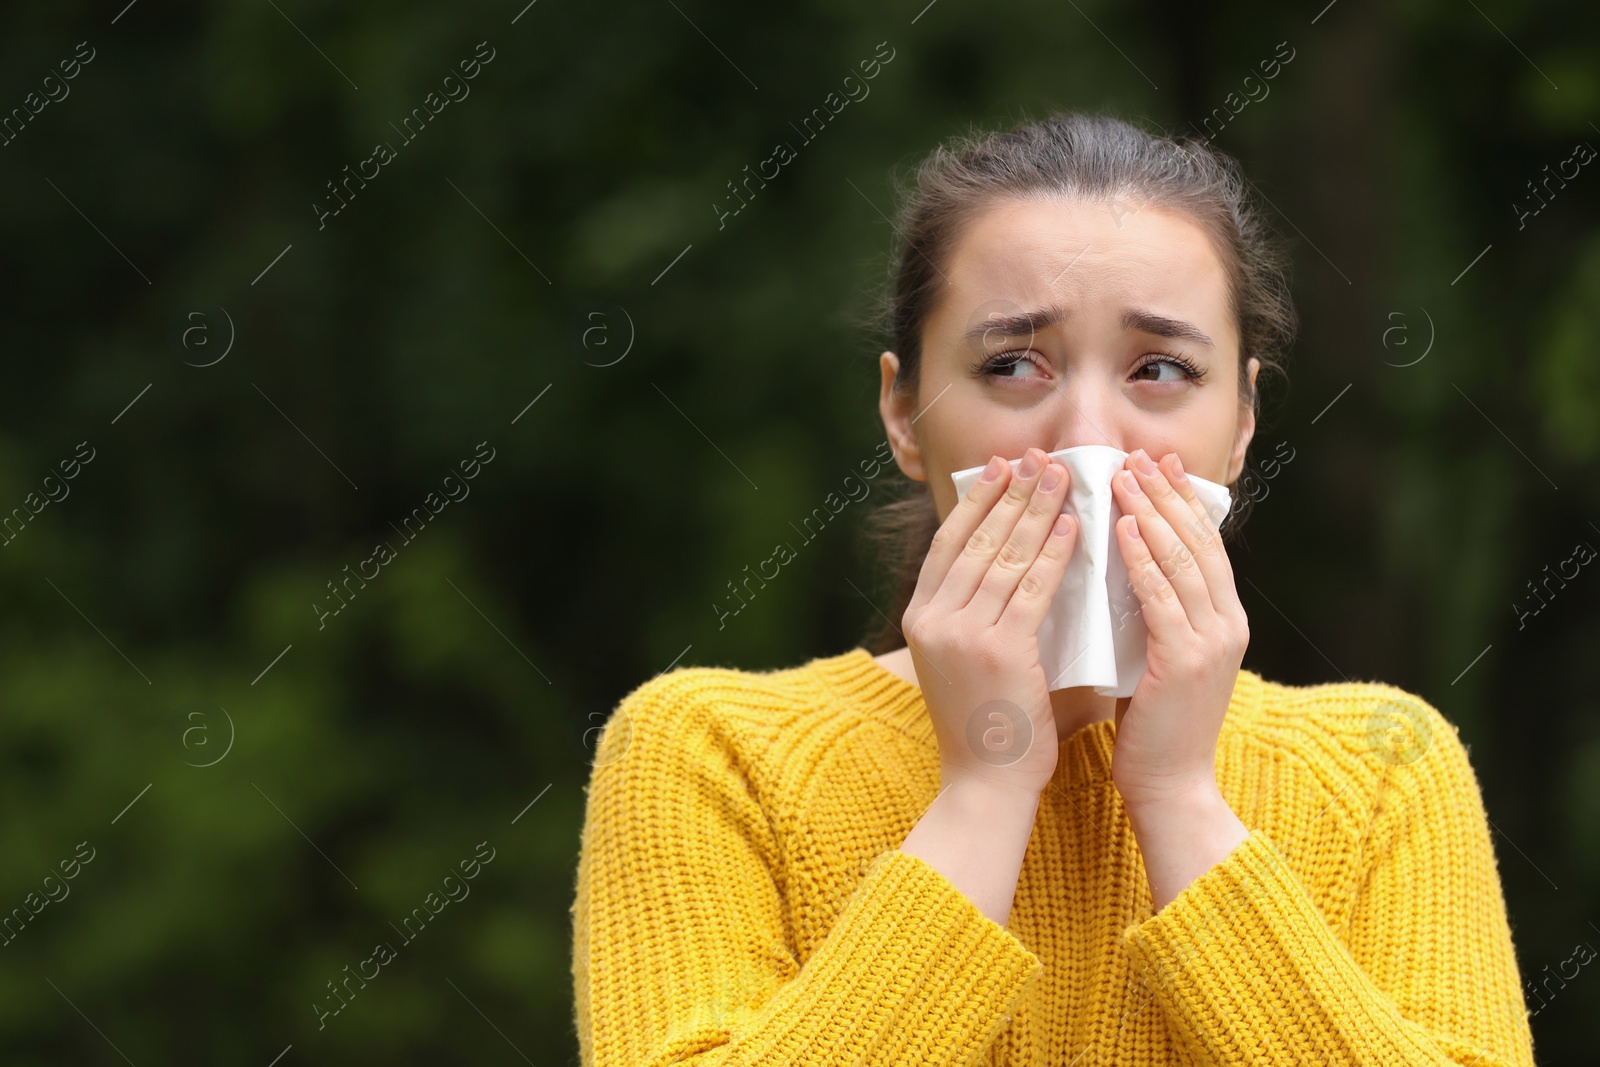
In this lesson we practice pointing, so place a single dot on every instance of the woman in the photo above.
(815, 866)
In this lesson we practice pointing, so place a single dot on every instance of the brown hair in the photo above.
(1069, 155)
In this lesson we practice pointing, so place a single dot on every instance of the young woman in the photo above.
(817, 866)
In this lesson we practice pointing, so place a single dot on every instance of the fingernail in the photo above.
(1142, 461)
(992, 471)
(1132, 483)
(1030, 466)
(1177, 463)
(1052, 477)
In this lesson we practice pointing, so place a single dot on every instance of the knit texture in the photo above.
(741, 897)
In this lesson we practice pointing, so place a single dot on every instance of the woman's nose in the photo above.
(1076, 419)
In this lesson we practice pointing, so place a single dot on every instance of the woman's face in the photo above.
(1139, 292)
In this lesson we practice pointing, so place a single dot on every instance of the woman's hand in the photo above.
(1166, 743)
(972, 625)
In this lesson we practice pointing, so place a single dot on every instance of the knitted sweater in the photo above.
(741, 897)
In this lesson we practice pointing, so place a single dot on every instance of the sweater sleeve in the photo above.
(682, 950)
(1248, 971)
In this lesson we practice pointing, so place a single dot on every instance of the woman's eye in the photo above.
(1179, 371)
(1011, 365)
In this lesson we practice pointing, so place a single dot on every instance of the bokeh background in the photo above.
(250, 395)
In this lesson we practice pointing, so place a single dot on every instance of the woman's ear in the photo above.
(896, 410)
(1247, 429)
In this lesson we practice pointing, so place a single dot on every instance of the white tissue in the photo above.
(1094, 631)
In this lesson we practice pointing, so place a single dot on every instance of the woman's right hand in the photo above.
(972, 626)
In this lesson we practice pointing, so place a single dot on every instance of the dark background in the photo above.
(552, 238)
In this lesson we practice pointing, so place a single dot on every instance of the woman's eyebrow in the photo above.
(1030, 322)
(1162, 326)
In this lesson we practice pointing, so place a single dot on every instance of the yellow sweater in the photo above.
(741, 897)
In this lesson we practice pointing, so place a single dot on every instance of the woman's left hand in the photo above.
(1166, 739)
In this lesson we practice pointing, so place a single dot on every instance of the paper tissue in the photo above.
(1094, 632)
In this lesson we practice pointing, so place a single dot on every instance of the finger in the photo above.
(974, 559)
(1159, 606)
(1210, 551)
(1169, 553)
(1174, 496)
(1172, 466)
(1026, 609)
(1022, 548)
(958, 526)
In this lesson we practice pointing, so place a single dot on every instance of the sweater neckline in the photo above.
(1083, 759)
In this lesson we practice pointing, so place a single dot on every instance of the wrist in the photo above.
(979, 793)
(1177, 803)
(1182, 836)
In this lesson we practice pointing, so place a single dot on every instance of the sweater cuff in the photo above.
(1243, 948)
(912, 972)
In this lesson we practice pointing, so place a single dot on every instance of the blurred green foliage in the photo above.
(171, 591)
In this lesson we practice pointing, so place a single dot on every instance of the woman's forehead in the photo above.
(1029, 255)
